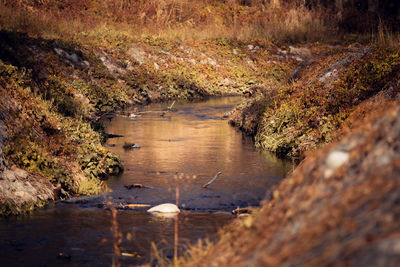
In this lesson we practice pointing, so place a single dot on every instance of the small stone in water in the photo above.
(165, 208)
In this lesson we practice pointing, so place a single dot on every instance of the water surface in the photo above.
(186, 148)
(180, 151)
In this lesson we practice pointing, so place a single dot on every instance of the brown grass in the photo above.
(174, 19)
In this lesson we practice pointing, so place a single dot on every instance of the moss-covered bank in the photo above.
(324, 90)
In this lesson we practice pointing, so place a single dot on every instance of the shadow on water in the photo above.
(180, 150)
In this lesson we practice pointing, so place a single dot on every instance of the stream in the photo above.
(180, 150)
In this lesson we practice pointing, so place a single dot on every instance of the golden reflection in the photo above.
(193, 139)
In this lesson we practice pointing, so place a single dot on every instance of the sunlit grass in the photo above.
(171, 19)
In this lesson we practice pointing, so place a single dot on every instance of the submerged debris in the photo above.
(131, 146)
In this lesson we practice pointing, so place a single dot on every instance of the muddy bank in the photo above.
(340, 206)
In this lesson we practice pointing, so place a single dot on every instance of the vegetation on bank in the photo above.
(306, 113)
(45, 142)
(68, 63)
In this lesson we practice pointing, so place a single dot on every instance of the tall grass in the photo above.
(182, 19)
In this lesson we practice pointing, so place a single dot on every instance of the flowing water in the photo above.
(180, 150)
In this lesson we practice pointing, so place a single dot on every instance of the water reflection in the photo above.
(84, 236)
(195, 142)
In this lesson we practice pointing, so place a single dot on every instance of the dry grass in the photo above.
(172, 19)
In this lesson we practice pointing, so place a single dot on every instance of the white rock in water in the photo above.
(165, 208)
(337, 159)
(132, 116)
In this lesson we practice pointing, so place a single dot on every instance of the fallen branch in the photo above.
(212, 180)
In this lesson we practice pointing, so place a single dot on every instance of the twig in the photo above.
(170, 107)
(212, 180)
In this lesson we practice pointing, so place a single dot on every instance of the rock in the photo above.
(8, 175)
(137, 54)
(111, 64)
(59, 51)
(72, 57)
(336, 159)
(165, 208)
(20, 173)
(300, 51)
(330, 75)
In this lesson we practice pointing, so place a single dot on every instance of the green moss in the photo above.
(94, 160)
(90, 186)
(25, 151)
